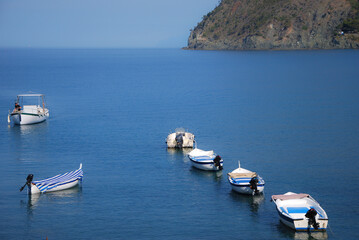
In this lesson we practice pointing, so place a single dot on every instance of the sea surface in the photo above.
(291, 116)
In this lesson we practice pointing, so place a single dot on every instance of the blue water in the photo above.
(291, 116)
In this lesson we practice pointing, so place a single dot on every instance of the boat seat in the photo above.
(282, 208)
(297, 209)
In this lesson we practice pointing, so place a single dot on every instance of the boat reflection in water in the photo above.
(36, 129)
(25, 138)
(175, 154)
(254, 202)
(216, 175)
(68, 196)
(289, 233)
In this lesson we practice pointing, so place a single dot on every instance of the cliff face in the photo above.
(277, 24)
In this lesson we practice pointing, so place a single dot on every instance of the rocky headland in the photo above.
(278, 24)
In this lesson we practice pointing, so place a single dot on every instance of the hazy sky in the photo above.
(99, 23)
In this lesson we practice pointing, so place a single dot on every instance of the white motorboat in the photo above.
(180, 139)
(29, 109)
(56, 183)
(300, 212)
(245, 181)
(205, 160)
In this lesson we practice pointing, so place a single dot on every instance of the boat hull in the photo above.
(207, 166)
(302, 224)
(246, 189)
(28, 118)
(35, 190)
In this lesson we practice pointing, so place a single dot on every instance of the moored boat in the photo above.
(300, 212)
(56, 183)
(245, 181)
(180, 139)
(205, 160)
(29, 109)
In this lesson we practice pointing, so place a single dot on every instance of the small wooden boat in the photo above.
(180, 139)
(29, 109)
(56, 183)
(300, 212)
(245, 181)
(205, 160)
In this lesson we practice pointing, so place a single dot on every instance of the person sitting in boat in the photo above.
(254, 183)
(17, 107)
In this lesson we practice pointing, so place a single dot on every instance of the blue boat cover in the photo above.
(58, 180)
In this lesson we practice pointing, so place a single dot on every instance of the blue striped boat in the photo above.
(300, 212)
(205, 160)
(56, 183)
(246, 182)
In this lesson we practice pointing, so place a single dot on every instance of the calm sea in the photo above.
(291, 116)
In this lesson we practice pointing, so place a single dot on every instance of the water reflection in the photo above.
(178, 153)
(61, 197)
(216, 175)
(36, 129)
(292, 234)
(254, 202)
(25, 138)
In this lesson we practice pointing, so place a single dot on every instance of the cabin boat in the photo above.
(180, 139)
(29, 109)
(300, 212)
(56, 183)
(205, 160)
(245, 181)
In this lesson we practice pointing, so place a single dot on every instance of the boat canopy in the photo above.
(31, 95)
(242, 175)
(198, 152)
(61, 179)
(290, 196)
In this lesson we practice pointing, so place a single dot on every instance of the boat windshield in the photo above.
(31, 99)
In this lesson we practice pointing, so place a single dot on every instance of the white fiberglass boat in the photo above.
(180, 139)
(245, 181)
(300, 212)
(29, 109)
(205, 160)
(57, 183)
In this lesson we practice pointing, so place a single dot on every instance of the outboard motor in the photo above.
(179, 139)
(217, 162)
(254, 184)
(28, 181)
(311, 218)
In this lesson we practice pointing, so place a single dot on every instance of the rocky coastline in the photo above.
(277, 25)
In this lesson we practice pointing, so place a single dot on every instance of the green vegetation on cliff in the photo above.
(351, 24)
(278, 24)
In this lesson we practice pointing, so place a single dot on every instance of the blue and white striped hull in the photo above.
(207, 165)
(301, 224)
(245, 188)
(63, 186)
